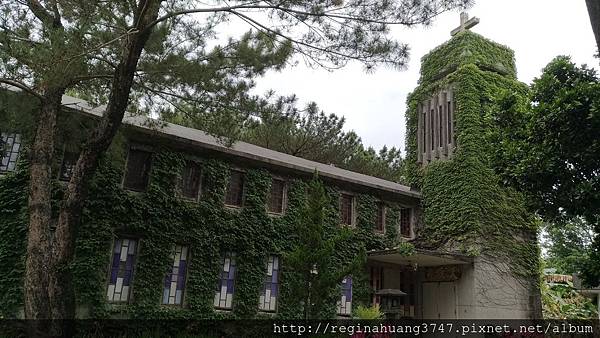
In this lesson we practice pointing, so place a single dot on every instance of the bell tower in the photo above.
(450, 146)
(436, 138)
(436, 105)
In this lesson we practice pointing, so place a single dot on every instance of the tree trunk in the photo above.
(593, 7)
(60, 283)
(38, 233)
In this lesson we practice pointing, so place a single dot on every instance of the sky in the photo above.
(374, 103)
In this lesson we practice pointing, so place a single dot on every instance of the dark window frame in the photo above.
(284, 189)
(380, 217)
(352, 209)
(200, 177)
(409, 224)
(239, 203)
(146, 180)
(64, 166)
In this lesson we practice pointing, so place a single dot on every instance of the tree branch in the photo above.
(43, 14)
(22, 86)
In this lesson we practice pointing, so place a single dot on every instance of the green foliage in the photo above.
(564, 302)
(13, 215)
(467, 48)
(405, 249)
(555, 155)
(160, 219)
(467, 208)
(318, 268)
(553, 152)
(567, 245)
(367, 313)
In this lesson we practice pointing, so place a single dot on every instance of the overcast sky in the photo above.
(374, 103)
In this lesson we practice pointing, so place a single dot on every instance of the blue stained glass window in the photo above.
(225, 286)
(345, 303)
(10, 145)
(270, 292)
(174, 284)
(121, 270)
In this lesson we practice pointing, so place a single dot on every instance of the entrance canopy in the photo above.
(420, 258)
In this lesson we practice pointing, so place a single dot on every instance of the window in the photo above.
(407, 304)
(347, 209)
(423, 132)
(405, 222)
(121, 270)
(380, 220)
(68, 165)
(190, 180)
(435, 127)
(344, 307)
(175, 277)
(432, 129)
(270, 292)
(225, 286)
(449, 118)
(277, 196)
(10, 144)
(441, 125)
(235, 190)
(376, 281)
(138, 170)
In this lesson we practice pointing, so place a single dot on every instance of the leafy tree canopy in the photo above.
(567, 245)
(549, 148)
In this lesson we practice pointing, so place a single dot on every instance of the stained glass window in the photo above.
(190, 180)
(225, 286)
(235, 189)
(347, 209)
(68, 165)
(345, 303)
(405, 222)
(277, 196)
(10, 144)
(380, 221)
(270, 292)
(174, 285)
(121, 270)
(138, 170)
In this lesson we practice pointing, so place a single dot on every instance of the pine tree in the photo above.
(317, 273)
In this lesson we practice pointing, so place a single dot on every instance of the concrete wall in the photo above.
(485, 290)
(488, 290)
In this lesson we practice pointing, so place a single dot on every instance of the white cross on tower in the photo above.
(465, 23)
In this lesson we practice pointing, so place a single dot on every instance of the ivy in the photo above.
(464, 49)
(160, 218)
(13, 213)
(467, 208)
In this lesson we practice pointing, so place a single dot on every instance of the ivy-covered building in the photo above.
(178, 225)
